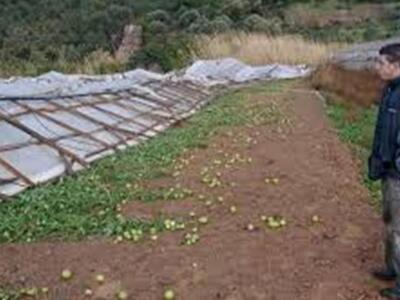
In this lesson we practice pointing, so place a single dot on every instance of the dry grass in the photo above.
(360, 87)
(258, 48)
(99, 62)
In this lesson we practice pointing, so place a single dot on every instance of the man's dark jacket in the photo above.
(384, 160)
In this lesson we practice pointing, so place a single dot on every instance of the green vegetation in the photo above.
(38, 36)
(168, 54)
(355, 126)
(354, 33)
(7, 294)
(89, 203)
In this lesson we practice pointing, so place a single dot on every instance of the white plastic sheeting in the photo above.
(56, 124)
(231, 70)
(58, 84)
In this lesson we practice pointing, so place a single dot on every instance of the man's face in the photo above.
(387, 70)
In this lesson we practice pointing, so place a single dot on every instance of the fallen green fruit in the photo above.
(169, 295)
(203, 220)
(274, 224)
(122, 295)
(88, 292)
(66, 274)
(250, 227)
(119, 239)
(315, 219)
(127, 235)
(31, 292)
(100, 278)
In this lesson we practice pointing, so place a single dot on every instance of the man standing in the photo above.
(384, 164)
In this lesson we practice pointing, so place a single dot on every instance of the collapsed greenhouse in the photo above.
(56, 124)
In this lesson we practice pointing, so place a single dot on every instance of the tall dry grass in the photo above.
(360, 87)
(99, 62)
(259, 48)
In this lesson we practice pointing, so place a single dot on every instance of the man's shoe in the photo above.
(390, 293)
(384, 275)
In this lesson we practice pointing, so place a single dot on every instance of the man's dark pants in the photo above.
(391, 218)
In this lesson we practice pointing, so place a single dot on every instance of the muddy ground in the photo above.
(307, 260)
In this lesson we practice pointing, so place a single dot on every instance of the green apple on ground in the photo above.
(122, 295)
(66, 274)
(169, 295)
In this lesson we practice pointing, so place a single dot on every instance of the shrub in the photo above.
(202, 25)
(225, 19)
(220, 24)
(169, 54)
(237, 8)
(189, 17)
(350, 35)
(157, 27)
(255, 22)
(158, 15)
(374, 31)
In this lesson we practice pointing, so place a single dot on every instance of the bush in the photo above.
(202, 25)
(189, 17)
(375, 31)
(169, 54)
(225, 19)
(345, 35)
(157, 27)
(158, 15)
(255, 22)
(218, 25)
(237, 8)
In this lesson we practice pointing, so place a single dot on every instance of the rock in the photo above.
(132, 41)
(361, 56)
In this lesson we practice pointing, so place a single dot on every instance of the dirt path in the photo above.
(323, 261)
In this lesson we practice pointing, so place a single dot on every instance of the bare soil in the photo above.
(304, 260)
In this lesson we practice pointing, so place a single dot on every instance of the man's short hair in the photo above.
(392, 52)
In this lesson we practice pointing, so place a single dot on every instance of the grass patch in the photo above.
(88, 204)
(7, 294)
(355, 126)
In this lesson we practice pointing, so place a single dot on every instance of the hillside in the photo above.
(39, 36)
